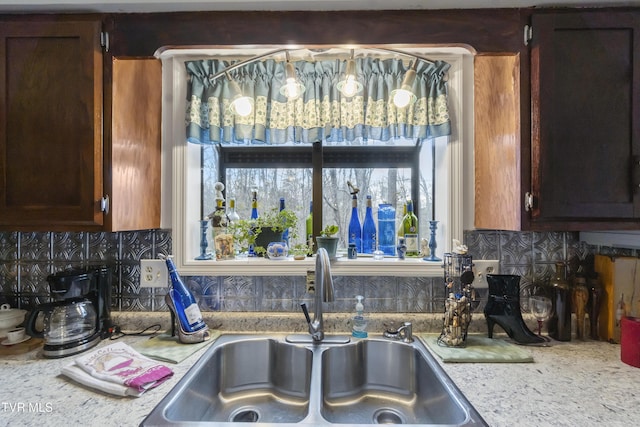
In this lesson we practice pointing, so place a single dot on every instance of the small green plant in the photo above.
(300, 250)
(329, 230)
(245, 231)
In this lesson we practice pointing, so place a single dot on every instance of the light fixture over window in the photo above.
(349, 86)
(404, 96)
(292, 89)
(240, 104)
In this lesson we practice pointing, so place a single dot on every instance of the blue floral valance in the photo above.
(322, 113)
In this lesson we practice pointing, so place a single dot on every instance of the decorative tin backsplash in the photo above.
(27, 258)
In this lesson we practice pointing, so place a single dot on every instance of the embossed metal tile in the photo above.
(70, 247)
(27, 258)
(136, 245)
(34, 246)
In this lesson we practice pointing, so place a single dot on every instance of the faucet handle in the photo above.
(306, 312)
(404, 332)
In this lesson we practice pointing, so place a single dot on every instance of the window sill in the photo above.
(363, 266)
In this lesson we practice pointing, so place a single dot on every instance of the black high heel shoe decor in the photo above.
(503, 308)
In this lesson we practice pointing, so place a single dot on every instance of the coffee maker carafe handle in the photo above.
(46, 308)
(30, 324)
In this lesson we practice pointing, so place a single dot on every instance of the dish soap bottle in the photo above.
(359, 322)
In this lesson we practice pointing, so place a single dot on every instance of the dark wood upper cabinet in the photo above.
(58, 155)
(580, 170)
(50, 125)
(585, 81)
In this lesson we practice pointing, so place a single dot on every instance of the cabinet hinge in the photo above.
(104, 204)
(104, 40)
(528, 34)
(528, 201)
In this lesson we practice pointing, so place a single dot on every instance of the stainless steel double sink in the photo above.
(270, 381)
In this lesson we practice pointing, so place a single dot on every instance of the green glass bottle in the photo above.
(410, 229)
(401, 226)
(309, 227)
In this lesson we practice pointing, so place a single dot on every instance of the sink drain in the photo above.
(244, 415)
(387, 416)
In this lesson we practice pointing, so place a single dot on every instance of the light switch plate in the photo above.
(153, 273)
(482, 267)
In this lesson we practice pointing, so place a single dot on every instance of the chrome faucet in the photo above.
(324, 293)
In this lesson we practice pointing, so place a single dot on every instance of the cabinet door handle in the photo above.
(104, 204)
(528, 201)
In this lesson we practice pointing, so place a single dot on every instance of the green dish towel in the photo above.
(478, 349)
(166, 348)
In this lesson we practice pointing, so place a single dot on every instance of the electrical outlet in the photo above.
(482, 267)
(153, 273)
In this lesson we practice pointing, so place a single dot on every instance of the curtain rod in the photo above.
(255, 58)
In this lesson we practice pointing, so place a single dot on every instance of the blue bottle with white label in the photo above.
(186, 306)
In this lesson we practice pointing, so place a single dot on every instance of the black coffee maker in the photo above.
(80, 315)
(92, 283)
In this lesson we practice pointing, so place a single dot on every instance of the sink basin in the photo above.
(271, 381)
(383, 382)
(248, 380)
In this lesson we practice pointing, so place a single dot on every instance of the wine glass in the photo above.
(540, 307)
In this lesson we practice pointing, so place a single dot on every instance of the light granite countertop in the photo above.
(578, 383)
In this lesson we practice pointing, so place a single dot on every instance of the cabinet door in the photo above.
(498, 175)
(585, 84)
(133, 171)
(50, 125)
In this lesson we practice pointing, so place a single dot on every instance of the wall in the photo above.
(27, 258)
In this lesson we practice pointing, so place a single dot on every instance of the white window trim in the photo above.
(184, 201)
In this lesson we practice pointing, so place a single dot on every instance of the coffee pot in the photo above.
(79, 317)
(69, 326)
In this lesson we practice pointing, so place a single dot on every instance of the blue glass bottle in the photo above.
(387, 229)
(254, 205)
(355, 230)
(185, 304)
(285, 233)
(368, 230)
(254, 215)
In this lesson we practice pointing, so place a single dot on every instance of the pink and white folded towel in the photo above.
(118, 369)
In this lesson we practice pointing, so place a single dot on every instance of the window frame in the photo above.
(184, 202)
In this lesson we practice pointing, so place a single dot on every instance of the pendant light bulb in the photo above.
(240, 104)
(349, 86)
(292, 89)
(404, 96)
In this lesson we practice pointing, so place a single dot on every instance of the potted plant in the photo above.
(328, 240)
(267, 228)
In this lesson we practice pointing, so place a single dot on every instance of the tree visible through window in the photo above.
(389, 173)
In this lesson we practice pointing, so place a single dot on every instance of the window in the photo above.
(389, 174)
(406, 168)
